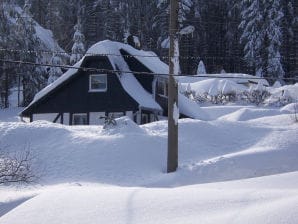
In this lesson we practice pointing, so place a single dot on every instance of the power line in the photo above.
(86, 69)
(142, 56)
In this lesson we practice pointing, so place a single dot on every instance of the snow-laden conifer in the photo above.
(78, 49)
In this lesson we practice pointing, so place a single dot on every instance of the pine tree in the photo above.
(232, 52)
(262, 36)
(185, 41)
(252, 36)
(78, 50)
(6, 41)
(290, 34)
(29, 43)
(55, 72)
(201, 68)
(274, 33)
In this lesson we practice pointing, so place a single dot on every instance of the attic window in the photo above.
(98, 83)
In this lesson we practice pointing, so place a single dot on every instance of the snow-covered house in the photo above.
(108, 81)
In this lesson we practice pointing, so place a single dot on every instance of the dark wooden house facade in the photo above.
(82, 96)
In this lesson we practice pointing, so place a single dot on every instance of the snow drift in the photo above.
(118, 174)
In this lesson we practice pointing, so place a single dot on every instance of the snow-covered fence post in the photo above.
(172, 162)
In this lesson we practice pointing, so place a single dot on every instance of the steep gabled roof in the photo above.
(127, 79)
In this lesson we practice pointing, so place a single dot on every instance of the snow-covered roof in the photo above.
(214, 86)
(128, 81)
(147, 58)
(235, 77)
(70, 72)
(132, 86)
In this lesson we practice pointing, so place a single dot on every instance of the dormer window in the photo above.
(98, 83)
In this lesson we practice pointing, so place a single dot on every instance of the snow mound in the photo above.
(234, 202)
(289, 90)
(118, 175)
(235, 77)
(283, 95)
(123, 125)
(215, 86)
(292, 108)
(125, 155)
(218, 111)
(191, 109)
(246, 114)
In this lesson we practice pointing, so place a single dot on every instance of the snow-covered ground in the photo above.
(239, 167)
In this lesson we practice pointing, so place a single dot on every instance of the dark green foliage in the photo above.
(222, 38)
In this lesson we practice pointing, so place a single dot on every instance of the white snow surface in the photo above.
(190, 108)
(232, 169)
(235, 77)
(287, 90)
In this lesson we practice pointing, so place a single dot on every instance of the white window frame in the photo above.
(98, 90)
(116, 114)
(79, 114)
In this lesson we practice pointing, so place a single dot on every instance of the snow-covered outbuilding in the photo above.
(112, 79)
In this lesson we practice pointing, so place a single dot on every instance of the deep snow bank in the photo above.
(129, 155)
(267, 200)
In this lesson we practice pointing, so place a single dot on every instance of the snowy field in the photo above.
(239, 167)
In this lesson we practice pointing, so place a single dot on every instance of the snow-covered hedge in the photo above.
(222, 91)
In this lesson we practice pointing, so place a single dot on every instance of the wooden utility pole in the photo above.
(173, 92)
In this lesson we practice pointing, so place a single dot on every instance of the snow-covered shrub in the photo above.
(278, 101)
(124, 125)
(16, 169)
(216, 99)
(189, 93)
(255, 96)
(201, 98)
(223, 91)
(109, 121)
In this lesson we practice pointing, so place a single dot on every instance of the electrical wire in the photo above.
(133, 56)
(86, 69)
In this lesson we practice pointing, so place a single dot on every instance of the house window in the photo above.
(79, 119)
(145, 118)
(162, 87)
(116, 114)
(98, 83)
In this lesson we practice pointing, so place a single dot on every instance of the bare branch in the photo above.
(16, 169)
